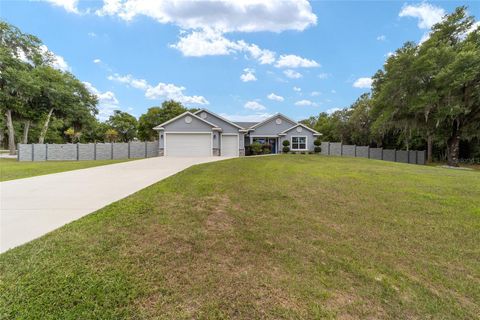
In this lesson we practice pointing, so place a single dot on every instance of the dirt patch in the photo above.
(219, 219)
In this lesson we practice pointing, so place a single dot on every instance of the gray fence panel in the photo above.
(120, 150)
(348, 151)
(137, 149)
(421, 157)
(152, 149)
(24, 152)
(402, 156)
(39, 152)
(335, 149)
(362, 152)
(325, 148)
(103, 151)
(389, 155)
(86, 151)
(412, 156)
(376, 153)
(61, 152)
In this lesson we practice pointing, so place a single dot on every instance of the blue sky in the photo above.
(244, 60)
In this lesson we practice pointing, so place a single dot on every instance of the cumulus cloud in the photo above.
(382, 37)
(107, 101)
(292, 74)
(97, 61)
(274, 97)
(305, 103)
(68, 5)
(427, 14)
(57, 61)
(257, 117)
(254, 105)
(294, 61)
(248, 75)
(297, 89)
(222, 15)
(160, 91)
(363, 83)
(324, 75)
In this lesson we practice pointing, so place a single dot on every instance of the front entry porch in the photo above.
(270, 144)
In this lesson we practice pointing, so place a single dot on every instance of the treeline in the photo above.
(425, 96)
(39, 103)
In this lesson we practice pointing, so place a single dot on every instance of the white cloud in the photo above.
(274, 97)
(58, 62)
(293, 61)
(107, 102)
(363, 83)
(223, 15)
(68, 5)
(254, 105)
(382, 37)
(324, 75)
(248, 75)
(97, 61)
(247, 118)
(161, 90)
(315, 93)
(332, 110)
(292, 74)
(305, 103)
(297, 89)
(427, 14)
(263, 56)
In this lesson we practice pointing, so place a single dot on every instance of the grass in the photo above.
(284, 237)
(11, 169)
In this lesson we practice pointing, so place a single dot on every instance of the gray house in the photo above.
(204, 133)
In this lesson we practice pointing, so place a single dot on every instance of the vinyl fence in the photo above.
(87, 151)
(339, 149)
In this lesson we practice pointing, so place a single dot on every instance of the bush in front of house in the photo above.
(286, 146)
(256, 148)
(317, 147)
(266, 149)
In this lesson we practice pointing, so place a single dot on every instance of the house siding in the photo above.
(272, 128)
(293, 133)
(180, 125)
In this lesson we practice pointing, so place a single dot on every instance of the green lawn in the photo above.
(293, 237)
(12, 169)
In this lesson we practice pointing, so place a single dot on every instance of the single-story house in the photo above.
(204, 133)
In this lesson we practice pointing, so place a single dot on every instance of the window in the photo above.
(299, 143)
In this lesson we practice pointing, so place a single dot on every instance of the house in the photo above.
(204, 133)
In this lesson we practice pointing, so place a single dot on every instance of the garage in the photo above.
(229, 146)
(188, 144)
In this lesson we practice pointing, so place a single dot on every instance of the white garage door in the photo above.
(229, 146)
(188, 144)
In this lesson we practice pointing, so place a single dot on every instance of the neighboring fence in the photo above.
(338, 149)
(87, 151)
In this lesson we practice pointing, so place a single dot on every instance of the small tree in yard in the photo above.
(256, 148)
(317, 144)
(111, 135)
(286, 146)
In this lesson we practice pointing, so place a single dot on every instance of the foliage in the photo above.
(317, 149)
(256, 148)
(111, 135)
(317, 142)
(286, 143)
(125, 124)
(286, 149)
(157, 115)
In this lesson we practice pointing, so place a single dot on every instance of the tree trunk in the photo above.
(41, 139)
(26, 127)
(429, 148)
(453, 148)
(2, 137)
(11, 133)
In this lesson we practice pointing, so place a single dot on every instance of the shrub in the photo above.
(286, 143)
(317, 142)
(317, 149)
(286, 149)
(256, 148)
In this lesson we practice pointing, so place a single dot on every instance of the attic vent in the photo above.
(299, 129)
(203, 115)
(278, 121)
(188, 119)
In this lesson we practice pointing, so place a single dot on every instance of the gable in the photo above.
(273, 126)
(221, 123)
(187, 123)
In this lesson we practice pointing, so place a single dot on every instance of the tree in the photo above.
(125, 124)
(157, 115)
(111, 135)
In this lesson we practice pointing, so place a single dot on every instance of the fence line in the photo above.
(403, 156)
(87, 151)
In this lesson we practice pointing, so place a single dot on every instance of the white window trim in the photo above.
(306, 143)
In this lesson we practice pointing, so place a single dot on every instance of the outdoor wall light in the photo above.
(161, 136)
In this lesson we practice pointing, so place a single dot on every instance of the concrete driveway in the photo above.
(32, 207)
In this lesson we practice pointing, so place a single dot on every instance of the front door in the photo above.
(273, 144)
